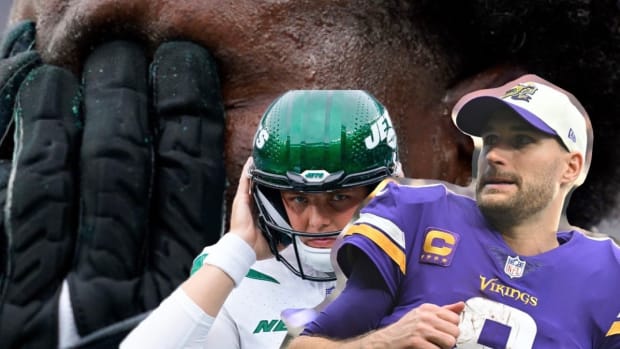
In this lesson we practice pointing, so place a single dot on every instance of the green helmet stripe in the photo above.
(297, 139)
(308, 142)
(316, 155)
(333, 131)
(291, 130)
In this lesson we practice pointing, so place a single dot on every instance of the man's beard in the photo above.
(528, 200)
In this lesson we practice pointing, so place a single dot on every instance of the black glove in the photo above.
(115, 184)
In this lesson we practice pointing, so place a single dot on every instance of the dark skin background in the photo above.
(463, 46)
(417, 57)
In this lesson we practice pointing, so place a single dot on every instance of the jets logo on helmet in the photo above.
(382, 130)
(262, 136)
(315, 175)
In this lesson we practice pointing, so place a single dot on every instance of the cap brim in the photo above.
(474, 115)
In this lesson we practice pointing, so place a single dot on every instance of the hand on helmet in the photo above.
(113, 185)
(242, 219)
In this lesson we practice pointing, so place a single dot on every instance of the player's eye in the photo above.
(294, 198)
(299, 199)
(523, 140)
(340, 197)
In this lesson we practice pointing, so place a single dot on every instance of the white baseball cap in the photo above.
(543, 105)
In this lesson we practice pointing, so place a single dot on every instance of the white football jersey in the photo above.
(250, 317)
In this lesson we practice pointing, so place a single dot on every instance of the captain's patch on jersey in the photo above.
(439, 247)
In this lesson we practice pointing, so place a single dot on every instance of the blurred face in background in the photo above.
(416, 57)
(266, 48)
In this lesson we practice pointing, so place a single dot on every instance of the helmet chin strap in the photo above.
(317, 258)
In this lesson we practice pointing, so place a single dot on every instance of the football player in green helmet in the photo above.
(317, 154)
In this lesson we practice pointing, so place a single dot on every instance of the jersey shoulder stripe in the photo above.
(614, 329)
(379, 238)
(385, 225)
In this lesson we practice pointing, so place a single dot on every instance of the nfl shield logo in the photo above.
(514, 267)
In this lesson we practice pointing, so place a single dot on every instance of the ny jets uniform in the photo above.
(430, 245)
(250, 317)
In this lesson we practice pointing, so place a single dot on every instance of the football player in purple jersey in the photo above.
(428, 268)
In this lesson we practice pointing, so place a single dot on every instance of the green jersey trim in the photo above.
(252, 274)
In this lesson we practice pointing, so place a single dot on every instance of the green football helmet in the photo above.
(317, 141)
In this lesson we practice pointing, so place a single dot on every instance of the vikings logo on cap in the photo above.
(521, 92)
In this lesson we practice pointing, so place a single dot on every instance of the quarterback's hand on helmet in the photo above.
(114, 182)
(242, 218)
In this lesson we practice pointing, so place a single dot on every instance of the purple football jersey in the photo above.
(433, 246)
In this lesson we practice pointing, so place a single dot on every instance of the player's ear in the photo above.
(574, 164)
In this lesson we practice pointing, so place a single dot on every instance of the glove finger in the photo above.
(5, 170)
(115, 168)
(17, 60)
(40, 208)
(189, 186)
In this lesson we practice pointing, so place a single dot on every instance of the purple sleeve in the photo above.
(352, 314)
